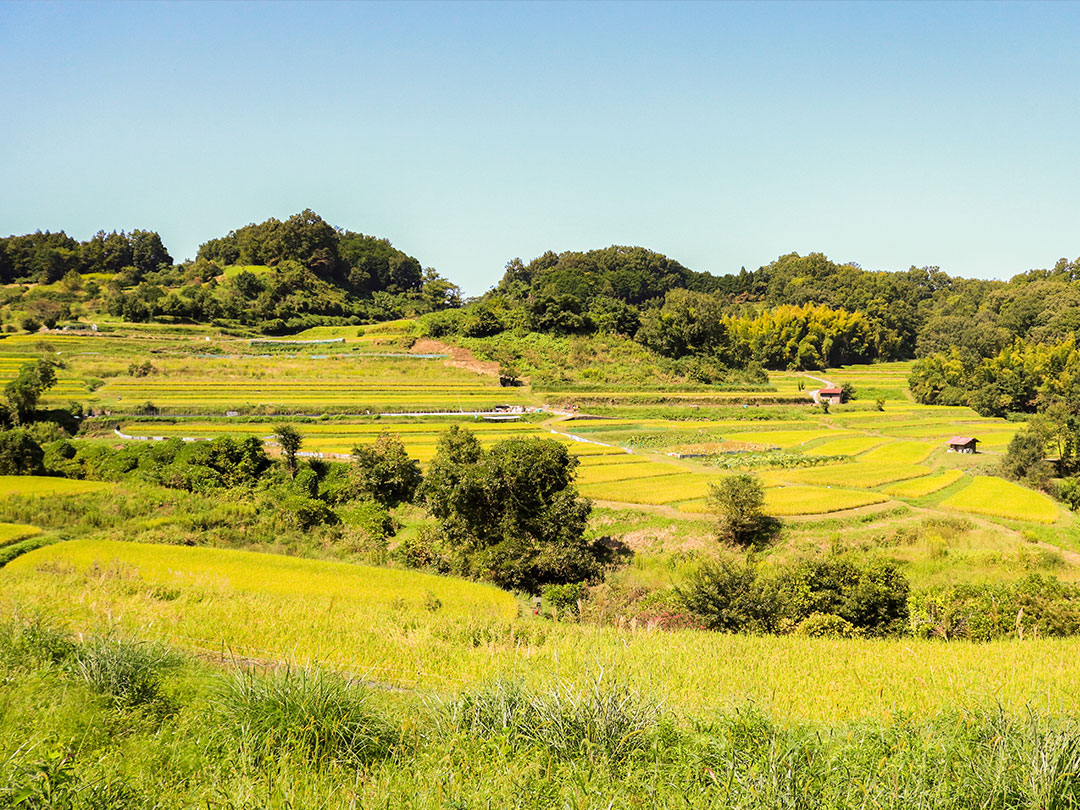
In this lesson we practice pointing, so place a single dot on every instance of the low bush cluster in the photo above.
(1037, 605)
(829, 596)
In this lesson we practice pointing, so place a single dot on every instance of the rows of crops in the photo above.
(871, 454)
(871, 464)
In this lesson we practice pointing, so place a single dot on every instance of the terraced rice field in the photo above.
(986, 495)
(895, 451)
(850, 446)
(216, 592)
(656, 490)
(374, 623)
(67, 386)
(620, 458)
(783, 438)
(13, 532)
(899, 453)
(355, 395)
(789, 501)
(886, 381)
(420, 438)
(43, 485)
(860, 474)
(602, 474)
(675, 397)
(810, 500)
(920, 487)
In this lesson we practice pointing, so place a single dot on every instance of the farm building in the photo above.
(962, 444)
(831, 395)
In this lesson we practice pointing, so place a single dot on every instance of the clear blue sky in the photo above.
(721, 134)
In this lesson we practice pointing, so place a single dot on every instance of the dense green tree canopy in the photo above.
(358, 263)
(24, 392)
(511, 514)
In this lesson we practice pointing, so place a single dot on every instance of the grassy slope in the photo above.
(288, 609)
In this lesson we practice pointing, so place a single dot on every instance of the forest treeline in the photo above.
(279, 276)
(800, 312)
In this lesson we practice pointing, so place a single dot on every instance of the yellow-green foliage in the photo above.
(43, 485)
(856, 474)
(807, 500)
(297, 610)
(900, 452)
(600, 474)
(656, 490)
(987, 495)
(10, 532)
(918, 487)
(237, 269)
(845, 447)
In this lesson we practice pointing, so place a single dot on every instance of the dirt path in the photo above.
(458, 357)
(824, 384)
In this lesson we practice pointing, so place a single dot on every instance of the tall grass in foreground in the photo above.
(306, 714)
(375, 623)
(291, 739)
(128, 672)
(597, 719)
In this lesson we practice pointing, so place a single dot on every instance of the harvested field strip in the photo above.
(860, 474)
(987, 495)
(918, 487)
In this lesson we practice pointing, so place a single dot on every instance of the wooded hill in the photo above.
(801, 312)
(277, 276)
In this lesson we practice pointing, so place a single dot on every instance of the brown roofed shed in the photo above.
(962, 444)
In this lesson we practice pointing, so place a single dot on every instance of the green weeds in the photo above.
(308, 714)
(600, 719)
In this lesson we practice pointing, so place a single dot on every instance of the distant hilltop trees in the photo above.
(360, 264)
(279, 276)
(46, 257)
(799, 312)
